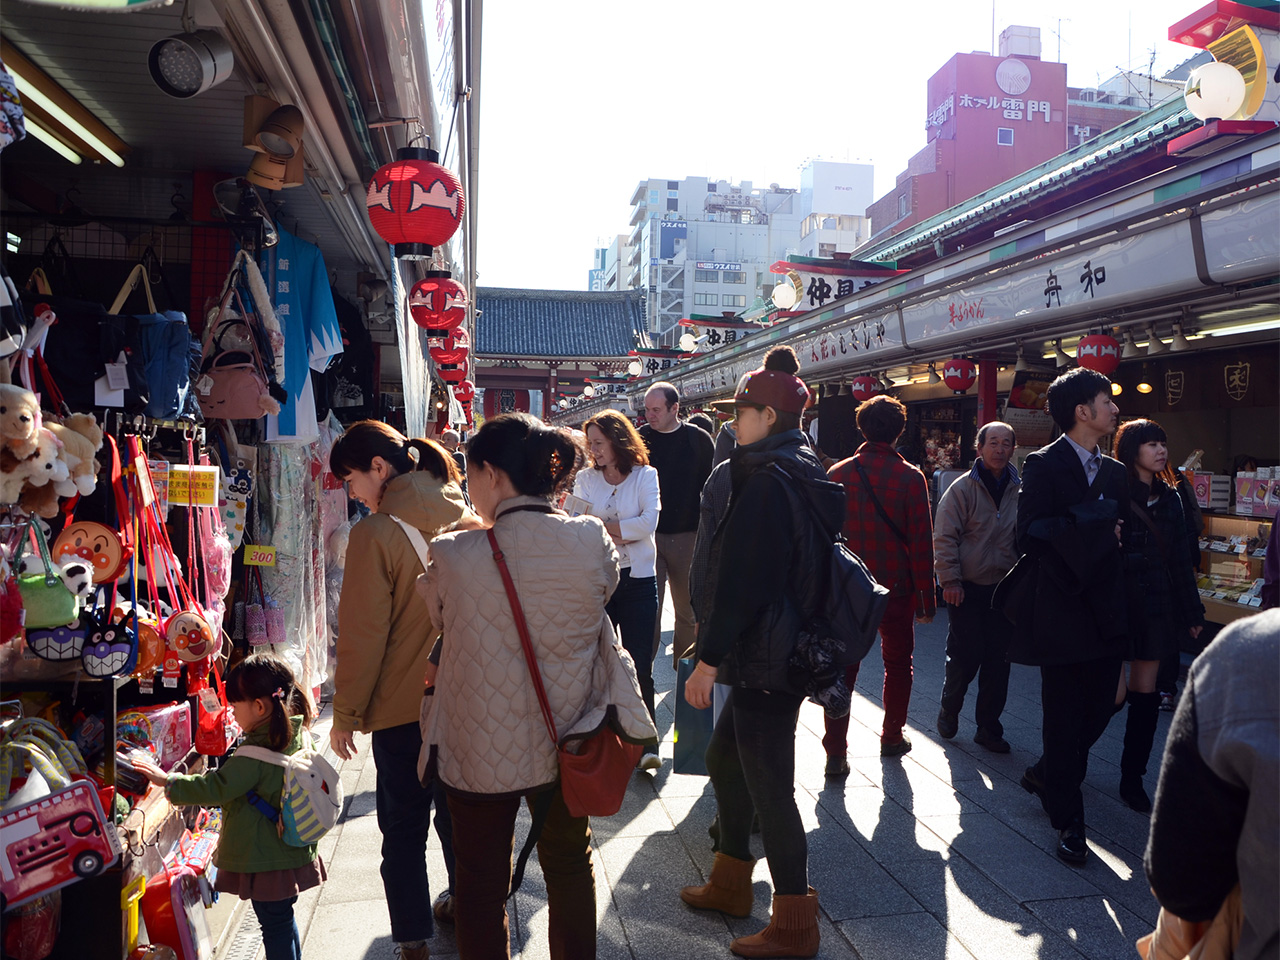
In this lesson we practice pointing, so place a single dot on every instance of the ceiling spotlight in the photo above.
(274, 132)
(845, 390)
(1131, 349)
(188, 64)
(1116, 389)
(1156, 345)
(1022, 360)
(933, 374)
(1060, 356)
(1144, 381)
(281, 133)
(1180, 341)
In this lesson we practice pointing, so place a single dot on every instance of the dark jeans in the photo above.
(486, 831)
(977, 643)
(897, 642)
(404, 815)
(633, 608)
(1077, 700)
(752, 763)
(279, 931)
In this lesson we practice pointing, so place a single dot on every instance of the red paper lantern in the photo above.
(864, 388)
(438, 304)
(498, 402)
(465, 392)
(415, 203)
(453, 372)
(451, 350)
(1098, 352)
(959, 374)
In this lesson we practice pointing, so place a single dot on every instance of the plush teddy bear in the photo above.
(19, 420)
(27, 481)
(81, 438)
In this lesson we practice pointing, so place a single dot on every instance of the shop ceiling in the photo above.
(101, 60)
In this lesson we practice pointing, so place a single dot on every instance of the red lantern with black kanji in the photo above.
(415, 203)
(1098, 352)
(864, 388)
(959, 373)
(453, 372)
(438, 304)
(498, 402)
(465, 392)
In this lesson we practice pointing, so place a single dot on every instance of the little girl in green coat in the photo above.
(253, 862)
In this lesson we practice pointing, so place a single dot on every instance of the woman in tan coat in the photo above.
(384, 639)
(492, 745)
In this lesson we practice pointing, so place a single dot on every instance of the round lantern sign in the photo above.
(465, 392)
(1098, 352)
(864, 388)
(415, 203)
(451, 350)
(453, 372)
(438, 303)
(959, 374)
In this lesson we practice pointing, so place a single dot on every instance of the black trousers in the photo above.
(1078, 700)
(977, 646)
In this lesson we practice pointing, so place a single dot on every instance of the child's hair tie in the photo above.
(279, 693)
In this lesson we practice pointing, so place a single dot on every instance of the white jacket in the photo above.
(484, 717)
(635, 503)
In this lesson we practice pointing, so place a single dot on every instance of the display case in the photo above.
(1232, 549)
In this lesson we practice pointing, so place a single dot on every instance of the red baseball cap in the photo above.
(769, 388)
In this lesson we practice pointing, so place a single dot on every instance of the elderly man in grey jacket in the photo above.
(973, 548)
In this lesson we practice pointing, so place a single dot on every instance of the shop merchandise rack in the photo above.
(1232, 550)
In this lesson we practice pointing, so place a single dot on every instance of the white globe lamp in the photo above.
(634, 368)
(688, 343)
(588, 391)
(1214, 91)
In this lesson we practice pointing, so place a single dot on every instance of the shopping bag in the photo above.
(693, 728)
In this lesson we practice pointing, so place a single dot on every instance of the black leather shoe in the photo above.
(989, 740)
(837, 768)
(1071, 844)
(948, 724)
(1032, 783)
(1132, 793)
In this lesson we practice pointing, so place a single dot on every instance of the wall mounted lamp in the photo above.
(274, 132)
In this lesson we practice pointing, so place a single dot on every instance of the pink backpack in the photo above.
(233, 382)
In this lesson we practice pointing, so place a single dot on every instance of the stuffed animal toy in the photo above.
(19, 420)
(28, 478)
(81, 438)
(75, 574)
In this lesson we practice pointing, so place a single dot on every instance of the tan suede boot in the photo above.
(792, 930)
(728, 889)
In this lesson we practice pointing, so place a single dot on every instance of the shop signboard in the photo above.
(1082, 281)
(1027, 409)
(850, 341)
(1241, 240)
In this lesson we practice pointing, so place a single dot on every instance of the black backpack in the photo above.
(842, 625)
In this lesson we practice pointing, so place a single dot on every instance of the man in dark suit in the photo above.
(1071, 621)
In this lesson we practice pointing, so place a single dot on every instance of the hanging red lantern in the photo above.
(465, 392)
(453, 372)
(959, 374)
(438, 303)
(466, 412)
(450, 350)
(498, 402)
(864, 388)
(1098, 352)
(415, 203)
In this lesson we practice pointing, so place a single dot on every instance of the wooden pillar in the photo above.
(988, 408)
(551, 393)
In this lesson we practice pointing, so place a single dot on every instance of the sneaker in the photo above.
(895, 749)
(995, 744)
(948, 724)
(650, 760)
(837, 768)
(1168, 702)
(417, 952)
(442, 910)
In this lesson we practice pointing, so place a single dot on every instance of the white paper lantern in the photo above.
(1215, 91)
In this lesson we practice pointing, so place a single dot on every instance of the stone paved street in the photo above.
(938, 855)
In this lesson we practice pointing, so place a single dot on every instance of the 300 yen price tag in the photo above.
(256, 555)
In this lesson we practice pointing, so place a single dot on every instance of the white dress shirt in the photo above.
(634, 505)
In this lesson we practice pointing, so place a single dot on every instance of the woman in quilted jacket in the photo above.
(490, 741)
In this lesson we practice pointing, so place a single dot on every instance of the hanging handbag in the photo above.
(255, 617)
(593, 780)
(216, 730)
(45, 598)
(233, 383)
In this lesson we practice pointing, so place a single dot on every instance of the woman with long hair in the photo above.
(623, 492)
(1163, 600)
(384, 639)
(762, 578)
(484, 726)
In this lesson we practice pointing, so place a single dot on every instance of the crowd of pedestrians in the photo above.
(1080, 564)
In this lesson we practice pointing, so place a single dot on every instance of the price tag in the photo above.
(257, 555)
(144, 480)
(209, 700)
(117, 376)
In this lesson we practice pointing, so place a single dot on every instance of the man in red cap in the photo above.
(889, 527)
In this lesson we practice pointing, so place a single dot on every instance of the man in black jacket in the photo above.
(1072, 621)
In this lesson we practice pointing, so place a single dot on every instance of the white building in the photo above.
(700, 246)
(610, 266)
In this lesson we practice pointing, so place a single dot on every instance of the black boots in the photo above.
(1139, 734)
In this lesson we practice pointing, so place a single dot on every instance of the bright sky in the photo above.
(581, 100)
